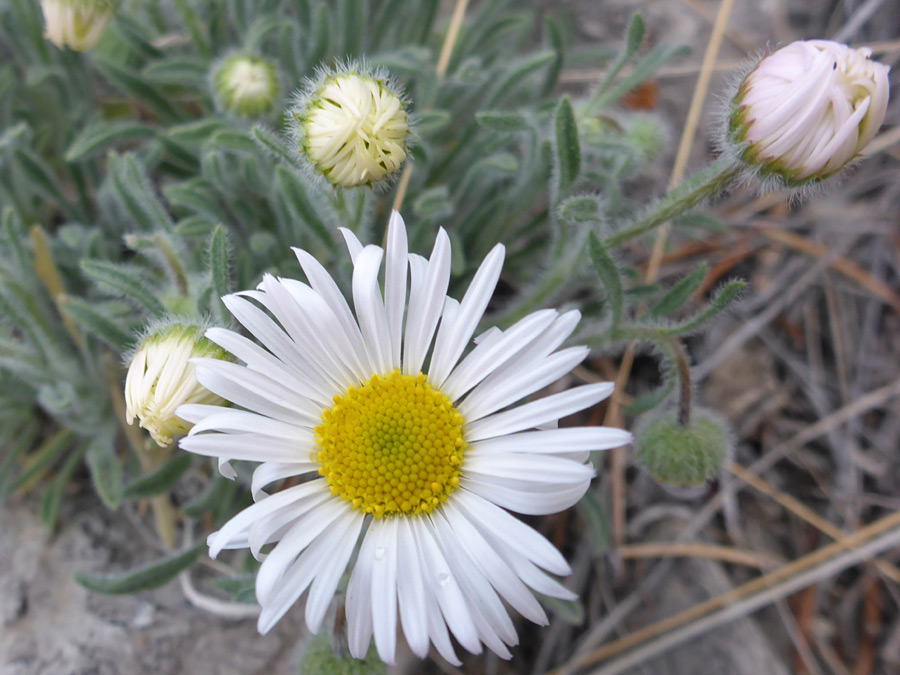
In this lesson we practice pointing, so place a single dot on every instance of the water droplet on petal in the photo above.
(379, 553)
(443, 578)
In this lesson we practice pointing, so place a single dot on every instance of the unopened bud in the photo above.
(76, 24)
(161, 378)
(683, 454)
(808, 109)
(353, 128)
(245, 85)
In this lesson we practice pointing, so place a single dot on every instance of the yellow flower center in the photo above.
(391, 446)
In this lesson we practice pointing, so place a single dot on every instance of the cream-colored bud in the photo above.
(161, 378)
(76, 24)
(353, 129)
(246, 85)
(809, 108)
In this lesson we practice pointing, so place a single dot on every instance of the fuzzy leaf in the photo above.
(51, 501)
(502, 121)
(42, 459)
(679, 294)
(718, 304)
(568, 149)
(297, 198)
(218, 266)
(126, 280)
(132, 84)
(570, 611)
(160, 481)
(609, 277)
(105, 471)
(581, 209)
(594, 514)
(151, 576)
(636, 29)
(97, 322)
(137, 198)
(96, 138)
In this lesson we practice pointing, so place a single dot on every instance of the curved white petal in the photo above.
(395, 275)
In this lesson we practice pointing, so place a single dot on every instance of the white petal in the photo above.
(411, 590)
(450, 344)
(306, 528)
(248, 447)
(572, 439)
(322, 283)
(255, 392)
(503, 392)
(384, 586)
(263, 362)
(370, 310)
(497, 571)
(395, 273)
(533, 500)
(426, 303)
(511, 532)
(353, 244)
(241, 421)
(538, 412)
(546, 470)
(317, 558)
(240, 523)
(226, 469)
(492, 353)
(441, 582)
(358, 603)
(491, 620)
(269, 472)
(325, 584)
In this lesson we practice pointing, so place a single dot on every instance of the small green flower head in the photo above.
(352, 126)
(161, 378)
(246, 86)
(76, 24)
(683, 455)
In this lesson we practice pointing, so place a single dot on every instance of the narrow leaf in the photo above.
(501, 121)
(218, 267)
(679, 294)
(568, 150)
(609, 277)
(294, 191)
(96, 322)
(726, 296)
(96, 138)
(105, 471)
(126, 280)
(151, 576)
(160, 481)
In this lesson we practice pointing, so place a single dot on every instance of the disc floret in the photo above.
(391, 446)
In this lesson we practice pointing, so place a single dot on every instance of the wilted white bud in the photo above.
(353, 128)
(246, 85)
(77, 24)
(809, 108)
(161, 378)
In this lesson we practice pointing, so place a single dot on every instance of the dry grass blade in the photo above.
(696, 550)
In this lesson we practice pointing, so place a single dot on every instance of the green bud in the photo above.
(320, 658)
(683, 455)
(646, 134)
(245, 85)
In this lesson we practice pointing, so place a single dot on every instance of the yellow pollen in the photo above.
(393, 445)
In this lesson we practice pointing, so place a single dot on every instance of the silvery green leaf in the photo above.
(580, 209)
(152, 576)
(594, 514)
(135, 195)
(92, 317)
(609, 276)
(728, 294)
(127, 280)
(502, 121)
(568, 148)
(96, 138)
(296, 195)
(160, 481)
(105, 470)
(679, 294)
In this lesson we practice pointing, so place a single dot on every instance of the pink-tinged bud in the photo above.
(808, 109)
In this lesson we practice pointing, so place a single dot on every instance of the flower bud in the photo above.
(78, 24)
(683, 454)
(352, 127)
(245, 85)
(809, 108)
(161, 378)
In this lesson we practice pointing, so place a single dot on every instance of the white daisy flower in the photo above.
(419, 462)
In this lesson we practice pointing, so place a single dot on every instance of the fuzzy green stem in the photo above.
(711, 181)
